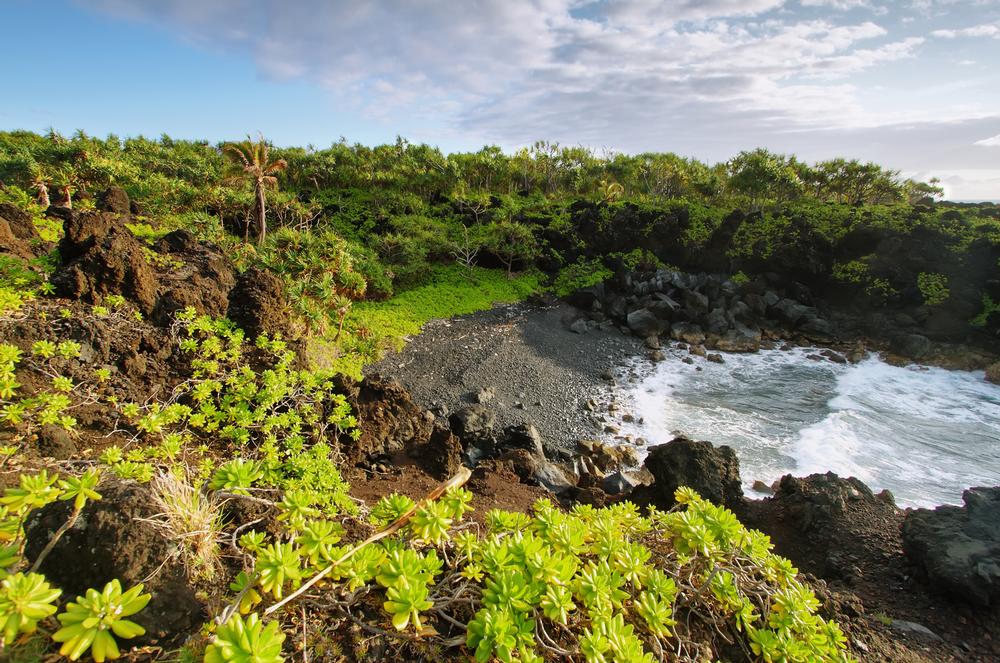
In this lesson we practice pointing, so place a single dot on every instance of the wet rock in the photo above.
(643, 323)
(687, 332)
(740, 339)
(114, 200)
(579, 326)
(958, 548)
(652, 342)
(714, 472)
(715, 358)
(762, 487)
(110, 540)
(835, 357)
(911, 346)
(993, 373)
(657, 355)
(257, 303)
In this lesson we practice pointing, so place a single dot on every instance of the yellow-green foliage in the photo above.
(933, 287)
(374, 327)
(593, 585)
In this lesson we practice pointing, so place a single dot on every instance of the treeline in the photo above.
(352, 222)
(183, 174)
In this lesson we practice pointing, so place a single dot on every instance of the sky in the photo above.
(911, 84)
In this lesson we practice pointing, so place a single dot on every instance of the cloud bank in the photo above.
(705, 78)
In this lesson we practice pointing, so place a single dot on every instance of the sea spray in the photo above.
(926, 434)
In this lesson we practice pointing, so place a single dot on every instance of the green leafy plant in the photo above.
(244, 641)
(25, 600)
(92, 622)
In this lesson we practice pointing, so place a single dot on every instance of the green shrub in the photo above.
(933, 287)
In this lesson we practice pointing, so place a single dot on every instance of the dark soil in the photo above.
(541, 372)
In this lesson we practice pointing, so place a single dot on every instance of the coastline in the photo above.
(539, 371)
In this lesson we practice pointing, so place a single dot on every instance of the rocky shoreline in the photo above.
(892, 573)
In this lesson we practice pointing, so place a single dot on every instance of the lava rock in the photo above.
(114, 200)
(103, 258)
(958, 548)
(113, 540)
(643, 323)
(257, 303)
(714, 472)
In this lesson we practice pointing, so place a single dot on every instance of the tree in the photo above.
(761, 175)
(252, 160)
(511, 242)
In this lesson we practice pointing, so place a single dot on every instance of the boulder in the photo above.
(739, 339)
(993, 373)
(55, 442)
(388, 419)
(102, 258)
(10, 243)
(958, 548)
(114, 200)
(643, 323)
(716, 321)
(522, 436)
(911, 346)
(819, 499)
(474, 427)
(553, 477)
(687, 332)
(790, 312)
(579, 326)
(441, 455)
(695, 302)
(20, 222)
(111, 540)
(714, 472)
(203, 278)
(257, 303)
(607, 457)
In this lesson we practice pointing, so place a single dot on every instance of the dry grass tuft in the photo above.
(192, 519)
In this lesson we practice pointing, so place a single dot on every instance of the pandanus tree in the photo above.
(253, 165)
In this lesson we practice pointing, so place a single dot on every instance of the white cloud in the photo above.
(703, 77)
(987, 30)
(993, 141)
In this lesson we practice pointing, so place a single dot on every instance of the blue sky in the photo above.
(913, 84)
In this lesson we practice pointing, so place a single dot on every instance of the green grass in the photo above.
(372, 328)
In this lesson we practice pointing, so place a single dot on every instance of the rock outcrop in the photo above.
(100, 258)
(958, 548)
(714, 472)
(112, 540)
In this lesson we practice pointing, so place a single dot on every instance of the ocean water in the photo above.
(924, 433)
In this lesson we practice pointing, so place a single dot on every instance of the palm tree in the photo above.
(253, 162)
(40, 183)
